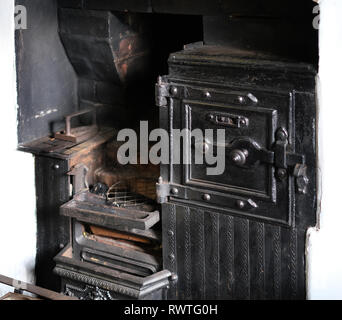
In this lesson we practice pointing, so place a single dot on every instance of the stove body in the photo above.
(241, 234)
(174, 231)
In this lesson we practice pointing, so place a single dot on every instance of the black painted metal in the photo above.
(89, 281)
(93, 209)
(53, 230)
(239, 251)
(240, 235)
(294, 38)
(262, 8)
(115, 257)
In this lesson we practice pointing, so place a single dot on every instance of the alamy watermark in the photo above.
(182, 147)
(20, 17)
(315, 21)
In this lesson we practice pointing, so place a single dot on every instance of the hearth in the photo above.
(172, 231)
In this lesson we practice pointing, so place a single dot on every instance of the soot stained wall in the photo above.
(47, 84)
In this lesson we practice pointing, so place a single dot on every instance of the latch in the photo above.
(285, 160)
(245, 152)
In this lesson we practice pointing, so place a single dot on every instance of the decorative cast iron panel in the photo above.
(239, 234)
(218, 256)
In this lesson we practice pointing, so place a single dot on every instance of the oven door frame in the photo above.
(174, 115)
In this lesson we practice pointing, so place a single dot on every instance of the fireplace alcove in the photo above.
(107, 56)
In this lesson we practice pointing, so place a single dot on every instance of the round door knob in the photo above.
(239, 157)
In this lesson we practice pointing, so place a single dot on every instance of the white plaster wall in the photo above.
(325, 245)
(17, 192)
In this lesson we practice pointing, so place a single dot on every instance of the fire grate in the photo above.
(123, 198)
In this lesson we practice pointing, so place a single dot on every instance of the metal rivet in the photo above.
(174, 91)
(240, 204)
(281, 173)
(241, 99)
(206, 197)
(207, 94)
(170, 233)
(174, 191)
(56, 166)
(171, 256)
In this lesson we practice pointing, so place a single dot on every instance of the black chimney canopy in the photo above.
(289, 8)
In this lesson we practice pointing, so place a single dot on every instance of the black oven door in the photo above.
(246, 139)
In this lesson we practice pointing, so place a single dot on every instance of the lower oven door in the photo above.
(89, 281)
(139, 259)
(234, 151)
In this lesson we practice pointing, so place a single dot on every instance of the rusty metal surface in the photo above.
(133, 257)
(79, 134)
(118, 235)
(59, 149)
(91, 208)
(41, 292)
(17, 296)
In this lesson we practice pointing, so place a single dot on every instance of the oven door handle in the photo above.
(242, 152)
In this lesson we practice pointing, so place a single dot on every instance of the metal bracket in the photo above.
(282, 158)
(162, 93)
(163, 191)
(302, 179)
(79, 172)
(227, 119)
(166, 90)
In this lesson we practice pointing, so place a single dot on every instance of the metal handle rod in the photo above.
(76, 114)
(41, 292)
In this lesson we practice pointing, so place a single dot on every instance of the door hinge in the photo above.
(162, 93)
(165, 90)
(163, 190)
